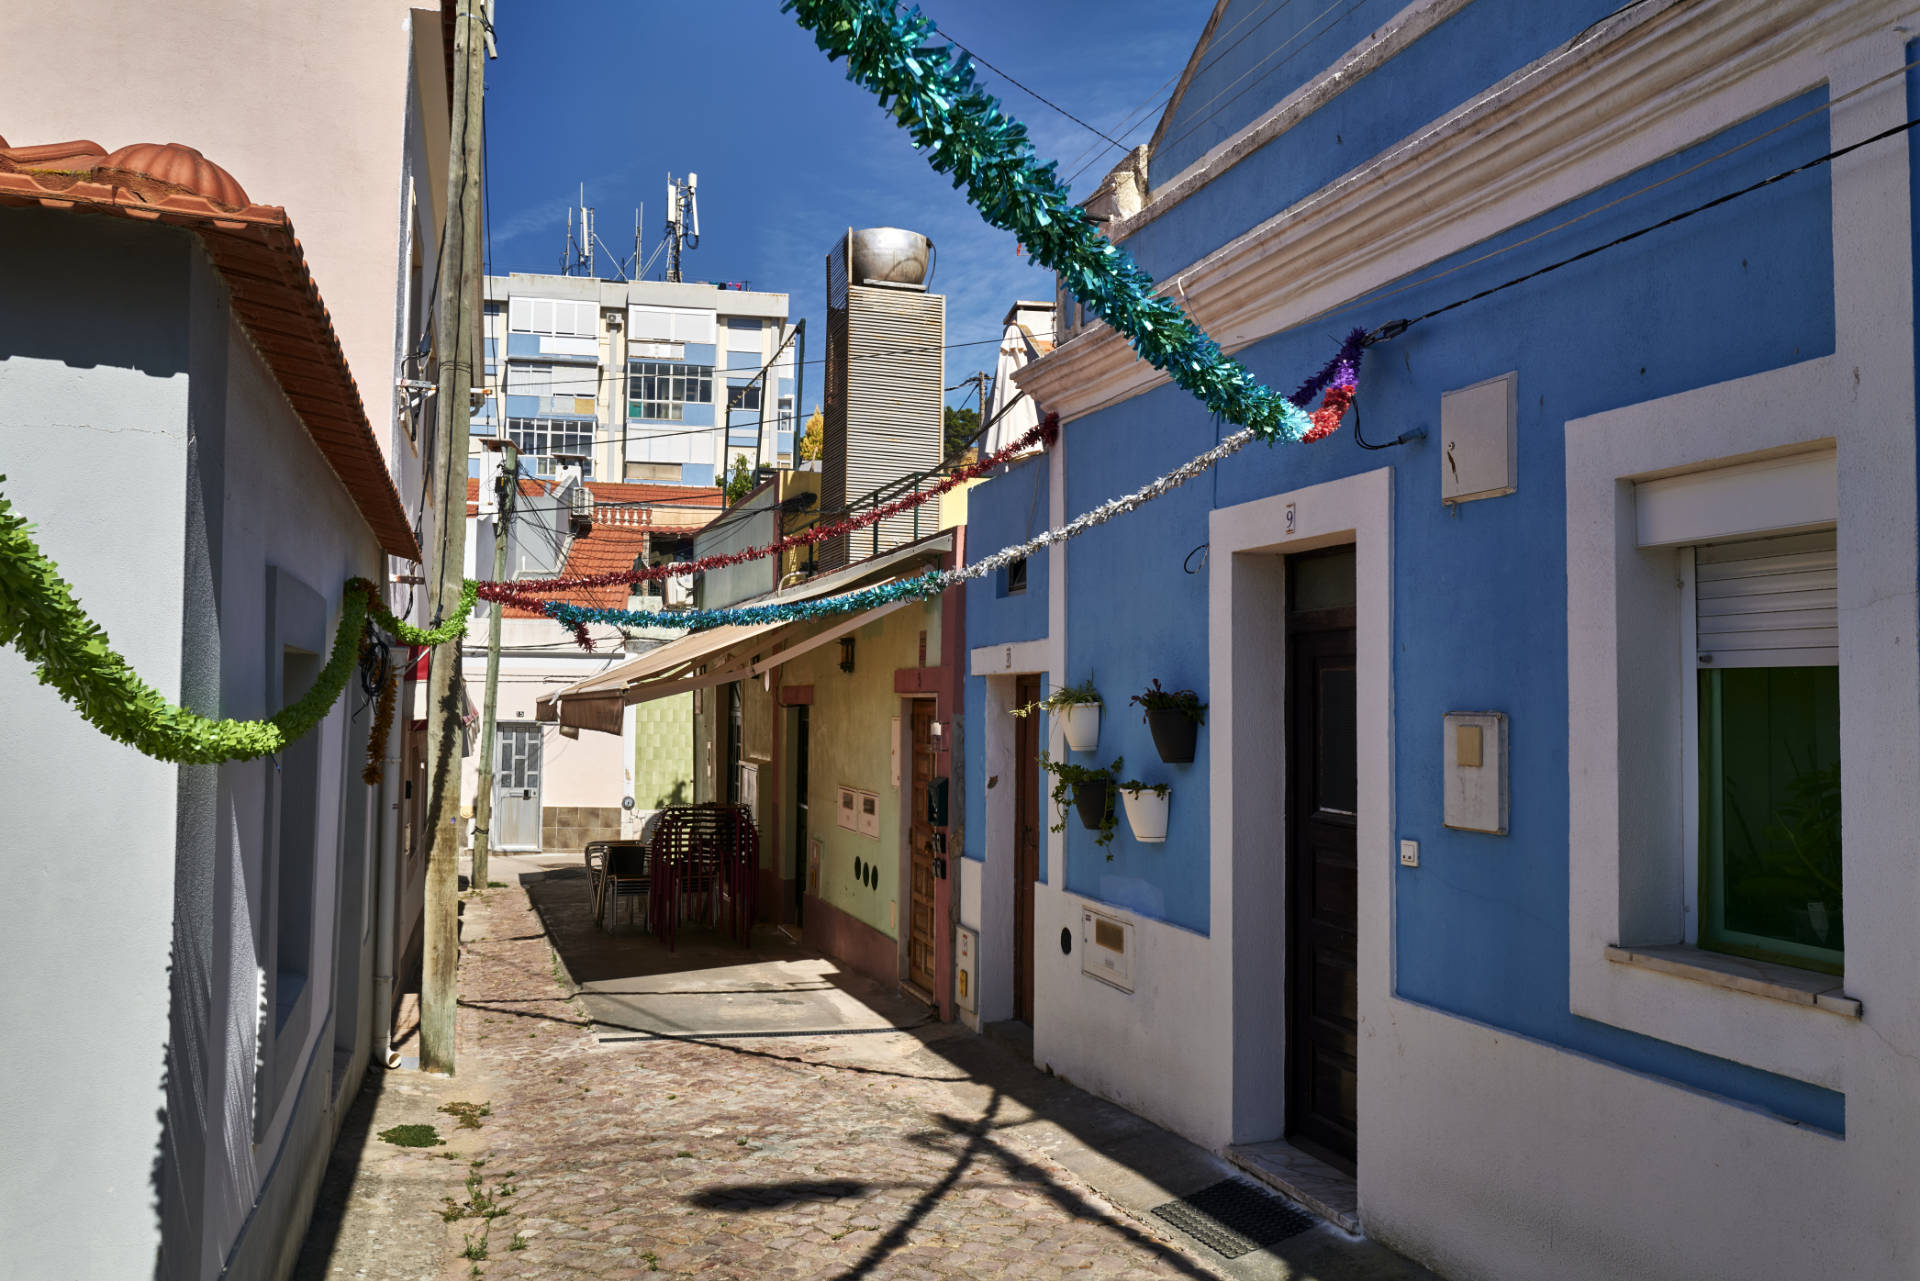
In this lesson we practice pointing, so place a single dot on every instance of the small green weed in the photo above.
(475, 1249)
(413, 1136)
(496, 885)
(467, 1114)
(519, 1241)
(653, 1261)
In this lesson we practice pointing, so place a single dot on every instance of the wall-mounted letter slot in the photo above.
(1107, 949)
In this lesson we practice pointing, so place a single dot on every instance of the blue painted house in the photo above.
(1504, 912)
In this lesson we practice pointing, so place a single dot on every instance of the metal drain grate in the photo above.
(1234, 1218)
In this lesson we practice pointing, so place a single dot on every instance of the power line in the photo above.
(1035, 94)
(1192, 128)
(1393, 329)
(1092, 155)
(1379, 296)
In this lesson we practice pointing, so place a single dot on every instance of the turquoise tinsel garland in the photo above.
(930, 91)
(928, 584)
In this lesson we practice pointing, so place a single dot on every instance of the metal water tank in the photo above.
(892, 257)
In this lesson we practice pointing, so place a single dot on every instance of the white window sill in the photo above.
(1756, 978)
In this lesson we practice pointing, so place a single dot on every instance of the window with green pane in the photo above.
(1769, 714)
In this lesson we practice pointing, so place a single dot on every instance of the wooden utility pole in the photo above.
(453, 345)
(509, 490)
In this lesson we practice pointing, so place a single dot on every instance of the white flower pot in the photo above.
(1080, 722)
(1146, 814)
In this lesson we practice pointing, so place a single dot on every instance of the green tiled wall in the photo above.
(663, 752)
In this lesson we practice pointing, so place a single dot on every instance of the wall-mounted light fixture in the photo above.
(846, 653)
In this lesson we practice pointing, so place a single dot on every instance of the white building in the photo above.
(655, 382)
(198, 418)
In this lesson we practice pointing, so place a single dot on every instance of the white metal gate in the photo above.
(516, 787)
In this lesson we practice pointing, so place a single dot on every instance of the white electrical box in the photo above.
(1477, 440)
(966, 946)
(1475, 772)
(1106, 948)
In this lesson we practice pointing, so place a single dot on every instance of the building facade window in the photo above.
(560, 317)
(662, 391)
(538, 439)
(1768, 716)
(744, 397)
(1013, 579)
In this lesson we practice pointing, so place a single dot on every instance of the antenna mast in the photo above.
(683, 220)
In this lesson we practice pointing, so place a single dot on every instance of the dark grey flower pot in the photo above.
(1091, 800)
(1174, 734)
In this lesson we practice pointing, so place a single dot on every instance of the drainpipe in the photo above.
(387, 864)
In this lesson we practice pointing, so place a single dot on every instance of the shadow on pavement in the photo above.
(746, 1000)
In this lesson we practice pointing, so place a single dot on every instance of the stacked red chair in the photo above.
(706, 861)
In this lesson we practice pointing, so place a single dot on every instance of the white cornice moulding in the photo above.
(1647, 89)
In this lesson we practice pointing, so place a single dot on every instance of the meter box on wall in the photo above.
(1477, 440)
(966, 945)
(1474, 772)
(1106, 948)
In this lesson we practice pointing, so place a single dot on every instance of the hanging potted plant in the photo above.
(1175, 717)
(1078, 709)
(1089, 791)
(1146, 805)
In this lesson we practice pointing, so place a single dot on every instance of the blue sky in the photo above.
(617, 93)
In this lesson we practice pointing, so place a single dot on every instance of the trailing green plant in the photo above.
(1064, 696)
(1134, 785)
(1157, 699)
(1067, 777)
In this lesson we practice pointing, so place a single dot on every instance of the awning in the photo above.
(595, 702)
(727, 653)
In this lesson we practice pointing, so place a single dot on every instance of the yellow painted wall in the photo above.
(849, 745)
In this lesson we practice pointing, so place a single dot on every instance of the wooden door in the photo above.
(920, 852)
(801, 730)
(1026, 841)
(1322, 796)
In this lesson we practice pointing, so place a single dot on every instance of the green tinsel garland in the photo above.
(40, 617)
(930, 91)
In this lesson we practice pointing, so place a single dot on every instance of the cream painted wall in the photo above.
(331, 150)
(588, 770)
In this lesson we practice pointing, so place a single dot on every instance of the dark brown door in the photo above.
(1026, 841)
(801, 729)
(1322, 795)
(920, 852)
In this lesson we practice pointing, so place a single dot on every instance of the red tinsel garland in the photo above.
(527, 592)
(1327, 418)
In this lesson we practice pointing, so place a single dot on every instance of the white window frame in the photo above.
(1632, 768)
(1624, 823)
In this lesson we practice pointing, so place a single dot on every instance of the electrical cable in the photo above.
(1193, 127)
(1394, 328)
(1031, 93)
(1092, 155)
(1378, 296)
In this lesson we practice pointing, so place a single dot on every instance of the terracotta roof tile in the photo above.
(614, 491)
(607, 549)
(274, 294)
